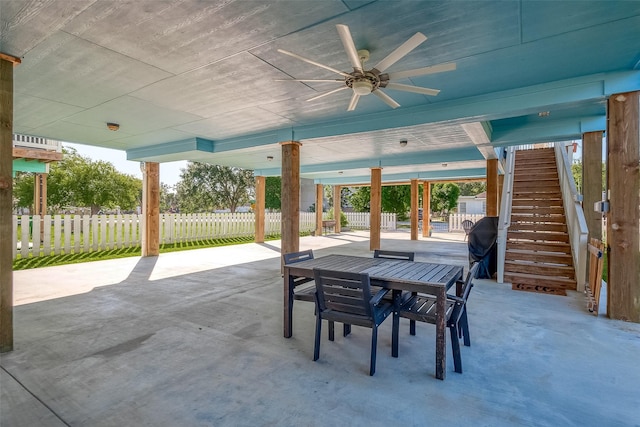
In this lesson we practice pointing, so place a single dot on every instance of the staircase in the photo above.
(538, 253)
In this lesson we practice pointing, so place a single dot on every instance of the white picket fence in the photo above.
(64, 234)
(455, 220)
(360, 221)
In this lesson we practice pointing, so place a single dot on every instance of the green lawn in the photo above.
(47, 261)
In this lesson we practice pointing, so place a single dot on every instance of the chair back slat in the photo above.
(343, 292)
(405, 256)
(294, 257)
(468, 283)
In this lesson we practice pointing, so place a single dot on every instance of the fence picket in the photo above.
(57, 234)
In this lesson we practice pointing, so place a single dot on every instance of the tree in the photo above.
(80, 181)
(273, 187)
(472, 188)
(205, 187)
(360, 199)
(168, 199)
(444, 197)
(397, 199)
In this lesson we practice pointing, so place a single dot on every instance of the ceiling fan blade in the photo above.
(423, 71)
(414, 89)
(401, 51)
(354, 102)
(310, 80)
(317, 64)
(349, 47)
(386, 98)
(328, 93)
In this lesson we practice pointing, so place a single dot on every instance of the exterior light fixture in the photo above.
(113, 126)
(543, 114)
(444, 165)
(403, 142)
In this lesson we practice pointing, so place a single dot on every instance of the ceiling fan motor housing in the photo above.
(363, 84)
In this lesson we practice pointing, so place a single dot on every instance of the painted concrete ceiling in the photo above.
(197, 80)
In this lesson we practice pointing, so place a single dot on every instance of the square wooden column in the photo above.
(337, 207)
(375, 209)
(151, 209)
(259, 209)
(623, 239)
(492, 187)
(592, 182)
(290, 190)
(414, 209)
(426, 208)
(319, 205)
(6, 201)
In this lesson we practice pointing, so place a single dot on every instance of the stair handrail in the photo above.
(504, 220)
(576, 222)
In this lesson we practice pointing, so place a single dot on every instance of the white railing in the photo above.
(361, 221)
(576, 222)
(36, 142)
(65, 234)
(505, 211)
(455, 220)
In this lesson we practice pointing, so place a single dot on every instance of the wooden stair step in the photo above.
(530, 218)
(560, 258)
(537, 192)
(547, 203)
(537, 212)
(522, 245)
(532, 226)
(541, 269)
(538, 236)
(540, 280)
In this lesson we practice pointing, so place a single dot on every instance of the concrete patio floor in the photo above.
(194, 338)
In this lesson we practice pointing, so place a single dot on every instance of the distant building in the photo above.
(473, 204)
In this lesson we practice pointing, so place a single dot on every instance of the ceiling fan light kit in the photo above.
(363, 82)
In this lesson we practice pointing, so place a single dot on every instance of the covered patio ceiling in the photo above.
(193, 80)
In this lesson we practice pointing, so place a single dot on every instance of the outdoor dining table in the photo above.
(396, 275)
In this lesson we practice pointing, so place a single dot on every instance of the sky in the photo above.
(169, 172)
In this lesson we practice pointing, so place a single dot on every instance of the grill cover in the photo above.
(483, 246)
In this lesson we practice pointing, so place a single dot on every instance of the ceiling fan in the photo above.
(362, 81)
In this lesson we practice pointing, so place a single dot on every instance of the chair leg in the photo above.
(316, 347)
(455, 348)
(331, 330)
(374, 346)
(395, 333)
(464, 327)
(346, 329)
(412, 327)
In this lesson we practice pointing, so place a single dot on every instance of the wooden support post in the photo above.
(6, 203)
(337, 207)
(151, 209)
(375, 209)
(592, 181)
(319, 204)
(623, 234)
(259, 209)
(290, 191)
(414, 209)
(492, 187)
(40, 199)
(426, 208)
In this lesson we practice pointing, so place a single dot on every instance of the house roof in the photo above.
(199, 81)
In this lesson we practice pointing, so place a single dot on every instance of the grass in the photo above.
(73, 258)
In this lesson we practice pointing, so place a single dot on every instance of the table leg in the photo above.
(396, 323)
(441, 340)
(288, 303)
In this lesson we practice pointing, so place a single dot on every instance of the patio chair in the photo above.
(379, 253)
(346, 297)
(304, 293)
(467, 225)
(422, 308)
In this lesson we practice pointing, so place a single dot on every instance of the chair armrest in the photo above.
(456, 299)
(375, 300)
